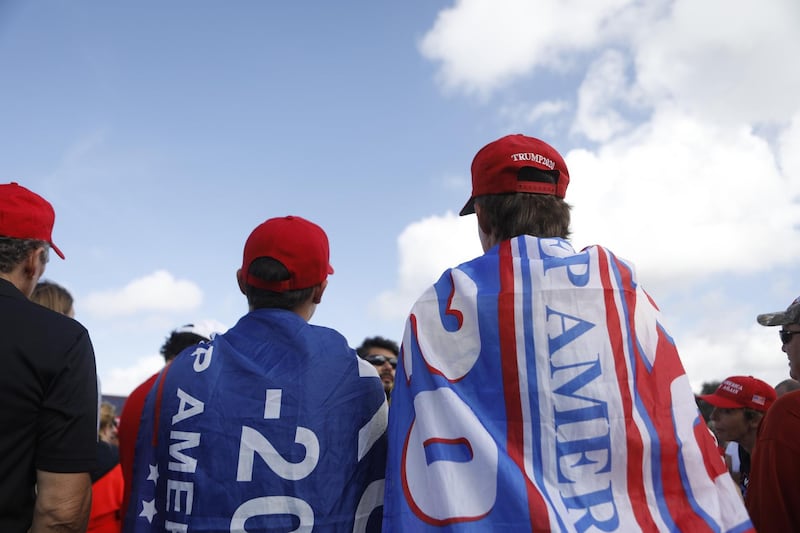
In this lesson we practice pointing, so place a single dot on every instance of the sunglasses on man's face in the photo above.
(786, 335)
(378, 360)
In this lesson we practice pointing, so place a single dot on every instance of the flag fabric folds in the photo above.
(275, 425)
(537, 390)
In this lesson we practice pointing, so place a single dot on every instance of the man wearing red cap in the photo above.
(48, 386)
(773, 495)
(536, 389)
(739, 405)
(275, 425)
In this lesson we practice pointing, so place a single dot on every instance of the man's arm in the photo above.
(63, 502)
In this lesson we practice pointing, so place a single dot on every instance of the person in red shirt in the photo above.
(773, 496)
(178, 340)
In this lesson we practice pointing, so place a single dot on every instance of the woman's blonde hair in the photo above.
(53, 296)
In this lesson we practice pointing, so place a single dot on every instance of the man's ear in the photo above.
(318, 290)
(240, 281)
(32, 263)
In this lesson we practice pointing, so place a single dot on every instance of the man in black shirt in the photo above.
(48, 385)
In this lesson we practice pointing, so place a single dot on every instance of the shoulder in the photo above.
(787, 405)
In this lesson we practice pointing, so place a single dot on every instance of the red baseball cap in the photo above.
(300, 245)
(26, 215)
(742, 391)
(498, 169)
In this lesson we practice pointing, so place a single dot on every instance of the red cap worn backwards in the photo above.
(26, 215)
(742, 391)
(301, 246)
(498, 168)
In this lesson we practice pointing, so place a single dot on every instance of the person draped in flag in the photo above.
(274, 425)
(536, 387)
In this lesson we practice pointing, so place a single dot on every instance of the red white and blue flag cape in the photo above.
(537, 391)
(276, 425)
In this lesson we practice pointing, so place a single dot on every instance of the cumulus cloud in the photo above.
(752, 351)
(731, 71)
(426, 249)
(685, 199)
(481, 45)
(122, 381)
(159, 291)
(605, 87)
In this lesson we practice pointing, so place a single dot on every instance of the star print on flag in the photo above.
(149, 510)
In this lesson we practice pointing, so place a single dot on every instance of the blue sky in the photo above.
(163, 132)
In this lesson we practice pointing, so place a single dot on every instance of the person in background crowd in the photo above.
(786, 386)
(274, 425)
(773, 495)
(105, 514)
(107, 480)
(739, 405)
(538, 389)
(108, 424)
(48, 388)
(382, 354)
(178, 340)
(55, 297)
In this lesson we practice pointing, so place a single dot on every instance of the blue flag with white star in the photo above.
(275, 425)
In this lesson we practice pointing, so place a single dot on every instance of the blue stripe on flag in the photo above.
(454, 450)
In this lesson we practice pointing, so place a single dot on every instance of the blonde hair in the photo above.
(53, 296)
(108, 415)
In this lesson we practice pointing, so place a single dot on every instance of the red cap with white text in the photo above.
(742, 391)
(517, 163)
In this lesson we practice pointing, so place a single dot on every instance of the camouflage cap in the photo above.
(782, 318)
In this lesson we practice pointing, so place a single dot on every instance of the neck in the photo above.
(749, 441)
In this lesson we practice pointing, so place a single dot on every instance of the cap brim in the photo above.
(57, 251)
(468, 208)
(779, 318)
(717, 401)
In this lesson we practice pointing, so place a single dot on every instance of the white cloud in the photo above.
(605, 86)
(731, 69)
(426, 249)
(753, 352)
(159, 291)
(484, 45)
(121, 381)
(684, 199)
(789, 153)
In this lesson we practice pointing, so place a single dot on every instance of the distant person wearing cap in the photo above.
(739, 405)
(178, 340)
(48, 388)
(275, 425)
(773, 495)
(536, 388)
(786, 386)
(382, 354)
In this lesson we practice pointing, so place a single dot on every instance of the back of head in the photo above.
(284, 259)
(519, 184)
(181, 338)
(25, 216)
(53, 296)
(786, 386)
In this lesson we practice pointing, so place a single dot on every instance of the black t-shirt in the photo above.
(48, 401)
